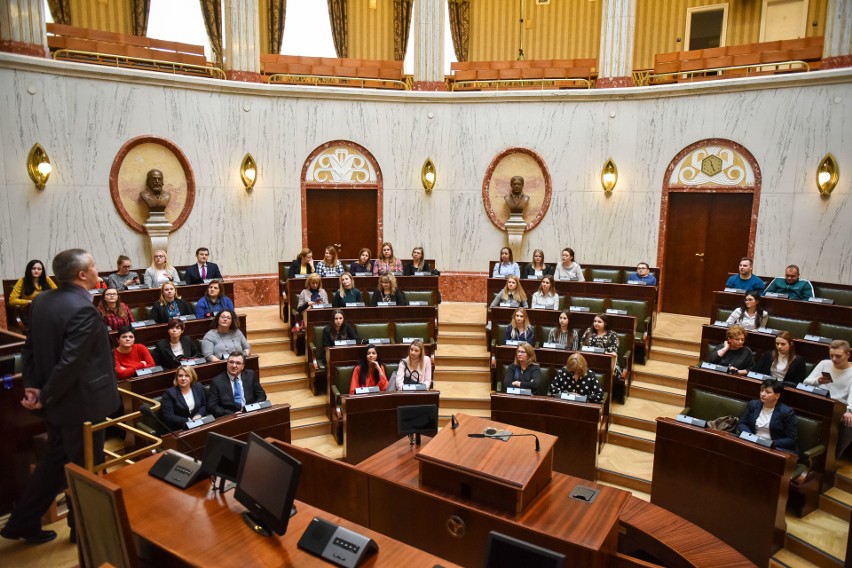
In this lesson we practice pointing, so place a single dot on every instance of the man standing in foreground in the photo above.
(69, 378)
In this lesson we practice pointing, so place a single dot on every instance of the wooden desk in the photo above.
(370, 422)
(734, 489)
(147, 296)
(587, 268)
(152, 334)
(10, 342)
(198, 528)
(781, 307)
(810, 351)
(575, 425)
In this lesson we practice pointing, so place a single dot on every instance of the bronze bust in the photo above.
(153, 195)
(516, 199)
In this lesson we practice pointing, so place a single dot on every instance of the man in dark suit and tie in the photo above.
(69, 378)
(235, 388)
(202, 270)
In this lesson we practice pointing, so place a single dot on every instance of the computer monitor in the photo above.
(509, 552)
(222, 456)
(266, 486)
(417, 419)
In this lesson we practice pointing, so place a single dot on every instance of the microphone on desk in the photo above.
(173, 467)
(501, 436)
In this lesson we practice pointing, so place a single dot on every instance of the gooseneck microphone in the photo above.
(501, 436)
(453, 422)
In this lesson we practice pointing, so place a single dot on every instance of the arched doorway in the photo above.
(342, 193)
(708, 221)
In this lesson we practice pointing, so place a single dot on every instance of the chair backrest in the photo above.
(841, 297)
(372, 330)
(797, 328)
(808, 433)
(547, 374)
(419, 296)
(391, 368)
(595, 305)
(542, 332)
(104, 535)
(317, 337)
(622, 347)
(709, 406)
(722, 314)
(635, 308)
(835, 331)
(422, 330)
(499, 334)
(613, 275)
(343, 378)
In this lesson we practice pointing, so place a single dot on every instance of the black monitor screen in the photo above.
(508, 552)
(222, 456)
(266, 483)
(419, 419)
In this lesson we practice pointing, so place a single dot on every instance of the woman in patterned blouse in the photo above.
(576, 377)
(563, 334)
(114, 313)
(330, 265)
(387, 262)
(599, 335)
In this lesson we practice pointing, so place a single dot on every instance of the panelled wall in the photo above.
(370, 29)
(82, 115)
(107, 15)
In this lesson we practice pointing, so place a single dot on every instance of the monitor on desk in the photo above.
(418, 419)
(222, 456)
(266, 486)
(509, 552)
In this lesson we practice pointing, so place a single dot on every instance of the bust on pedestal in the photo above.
(157, 226)
(517, 201)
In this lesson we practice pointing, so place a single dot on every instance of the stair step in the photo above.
(677, 343)
(658, 393)
(462, 337)
(634, 438)
(445, 412)
(787, 559)
(463, 327)
(633, 468)
(451, 361)
(269, 345)
(634, 423)
(646, 410)
(463, 374)
(836, 502)
(636, 493)
(804, 547)
(282, 383)
(667, 354)
(466, 395)
(324, 443)
(309, 430)
(267, 333)
(623, 480)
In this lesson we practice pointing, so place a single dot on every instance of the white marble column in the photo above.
(22, 27)
(618, 28)
(242, 40)
(837, 50)
(428, 30)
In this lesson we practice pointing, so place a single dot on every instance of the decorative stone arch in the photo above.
(342, 164)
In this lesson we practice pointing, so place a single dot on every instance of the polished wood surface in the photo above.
(10, 342)
(346, 216)
(366, 284)
(587, 268)
(196, 527)
(586, 289)
(574, 424)
(504, 474)
(734, 489)
(781, 307)
(370, 421)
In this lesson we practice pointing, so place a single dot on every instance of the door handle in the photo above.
(699, 254)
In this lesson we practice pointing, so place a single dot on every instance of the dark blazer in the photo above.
(68, 356)
(164, 355)
(399, 298)
(796, 371)
(530, 379)
(529, 271)
(175, 412)
(221, 401)
(328, 341)
(295, 267)
(783, 426)
(160, 314)
(409, 270)
(193, 275)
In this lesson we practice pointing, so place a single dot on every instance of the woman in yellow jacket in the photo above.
(35, 280)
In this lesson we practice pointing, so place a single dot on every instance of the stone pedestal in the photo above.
(158, 229)
(516, 227)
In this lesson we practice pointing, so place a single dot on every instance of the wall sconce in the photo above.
(828, 173)
(428, 175)
(609, 176)
(248, 172)
(38, 166)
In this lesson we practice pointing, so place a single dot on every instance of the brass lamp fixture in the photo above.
(38, 166)
(828, 173)
(248, 172)
(428, 175)
(609, 176)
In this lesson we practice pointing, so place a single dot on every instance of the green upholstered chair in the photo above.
(547, 375)
(542, 332)
(564, 302)
(804, 496)
(341, 379)
(613, 275)
(498, 335)
(840, 296)
(639, 310)
(709, 406)
(370, 331)
(140, 313)
(422, 330)
(181, 274)
(722, 314)
(835, 331)
(797, 328)
(595, 305)
(620, 388)
(317, 374)
(420, 296)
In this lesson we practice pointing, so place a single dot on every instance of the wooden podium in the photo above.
(507, 475)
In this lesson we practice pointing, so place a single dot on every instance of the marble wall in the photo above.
(83, 114)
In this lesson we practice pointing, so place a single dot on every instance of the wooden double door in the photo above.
(706, 235)
(348, 217)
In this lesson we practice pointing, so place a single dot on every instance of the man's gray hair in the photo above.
(69, 263)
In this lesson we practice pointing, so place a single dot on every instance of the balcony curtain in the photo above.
(140, 9)
(401, 27)
(460, 27)
(277, 12)
(211, 11)
(60, 11)
(339, 26)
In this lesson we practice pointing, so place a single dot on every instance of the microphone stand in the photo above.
(501, 436)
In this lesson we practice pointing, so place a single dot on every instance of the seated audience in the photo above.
(330, 265)
(130, 356)
(202, 270)
(363, 265)
(520, 329)
(418, 263)
(791, 285)
(114, 313)
(337, 330)
(771, 419)
(576, 377)
(124, 277)
(347, 293)
(562, 334)
(302, 264)
(388, 292)
(507, 265)
(224, 337)
(369, 372)
(387, 262)
(170, 305)
(170, 353)
(545, 298)
(512, 295)
(745, 280)
(35, 281)
(524, 372)
(312, 294)
(568, 269)
(751, 314)
(838, 383)
(160, 271)
(183, 402)
(601, 336)
(537, 268)
(213, 301)
(414, 369)
(732, 353)
(232, 390)
(782, 363)
(642, 275)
